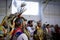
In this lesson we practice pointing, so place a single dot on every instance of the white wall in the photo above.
(1, 18)
(51, 14)
(52, 19)
(32, 17)
(3, 8)
(2, 11)
(35, 18)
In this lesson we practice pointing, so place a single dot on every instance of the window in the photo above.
(32, 8)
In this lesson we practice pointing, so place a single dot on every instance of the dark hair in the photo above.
(30, 21)
(18, 22)
(38, 22)
(47, 25)
(24, 19)
(52, 25)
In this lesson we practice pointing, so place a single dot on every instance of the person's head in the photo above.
(56, 26)
(52, 26)
(19, 23)
(39, 23)
(47, 25)
(24, 21)
(30, 23)
(44, 25)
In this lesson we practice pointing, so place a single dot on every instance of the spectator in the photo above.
(30, 29)
(18, 31)
(2, 32)
(57, 32)
(52, 32)
(38, 33)
(52, 28)
(48, 32)
(44, 26)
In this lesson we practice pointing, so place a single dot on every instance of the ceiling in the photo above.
(42, 0)
(57, 2)
(3, 2)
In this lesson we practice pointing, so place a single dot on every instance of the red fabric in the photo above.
(17, 30)
(48, 30)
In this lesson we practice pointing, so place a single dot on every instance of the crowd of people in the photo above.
(18, 28)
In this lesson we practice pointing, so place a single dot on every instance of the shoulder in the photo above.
(22, 36)
(28, 28)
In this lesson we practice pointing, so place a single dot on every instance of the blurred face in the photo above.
(37, 27)
(21, 26)
(24, 23)
(48, 26)
(39, 24)
(31, 24)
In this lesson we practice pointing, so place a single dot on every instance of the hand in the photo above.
(13, 25)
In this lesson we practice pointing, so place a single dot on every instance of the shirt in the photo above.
(22, 37)
(31, 31)
(1, 31)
